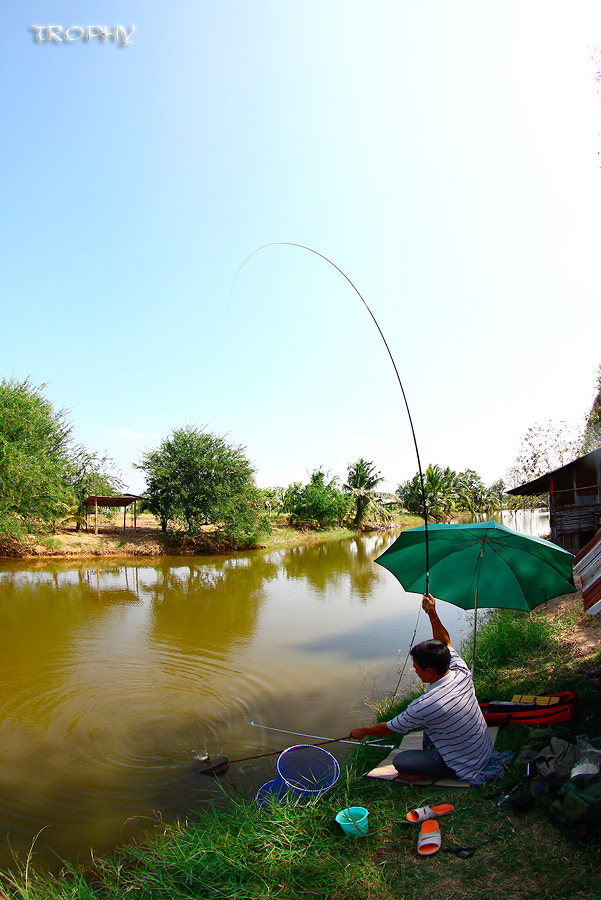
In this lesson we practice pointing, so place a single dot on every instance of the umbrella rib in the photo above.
(512, 568)
(506, 562)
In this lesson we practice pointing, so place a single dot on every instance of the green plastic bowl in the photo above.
(353, 820)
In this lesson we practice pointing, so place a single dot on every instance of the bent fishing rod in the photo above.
(394, 365)
(396, 371)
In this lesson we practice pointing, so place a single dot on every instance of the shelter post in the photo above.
(123, 500)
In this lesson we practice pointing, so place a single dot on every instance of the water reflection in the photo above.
(333, 566)
(208, 606)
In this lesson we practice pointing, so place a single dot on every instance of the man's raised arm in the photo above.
(439, 632)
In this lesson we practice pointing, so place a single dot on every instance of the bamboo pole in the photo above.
(95, 515)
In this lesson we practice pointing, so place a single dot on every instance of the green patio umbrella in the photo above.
(480, 564)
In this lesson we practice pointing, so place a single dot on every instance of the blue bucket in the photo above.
(307, 770)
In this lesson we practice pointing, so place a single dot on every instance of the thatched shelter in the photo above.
(124, 500)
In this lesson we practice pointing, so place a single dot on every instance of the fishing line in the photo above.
(396, 690)
(396, 371)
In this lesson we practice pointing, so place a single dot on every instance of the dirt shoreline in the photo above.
(113, 542)
(150, 541)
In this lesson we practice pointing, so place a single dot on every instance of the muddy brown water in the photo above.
(115, 675)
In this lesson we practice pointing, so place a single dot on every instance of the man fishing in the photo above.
(456, 741)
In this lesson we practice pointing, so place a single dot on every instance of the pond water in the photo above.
(526, 521)
(117, 674)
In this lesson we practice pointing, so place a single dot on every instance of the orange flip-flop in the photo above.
(423, 813)
(429, 840)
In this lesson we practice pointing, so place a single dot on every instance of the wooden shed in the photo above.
(125, 500)
(574, 500)
(587, 575)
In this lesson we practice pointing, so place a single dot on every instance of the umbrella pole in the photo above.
(474, 639)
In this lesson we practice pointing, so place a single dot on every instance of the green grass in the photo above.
(292, 853)
(50, 543)
(525, 648)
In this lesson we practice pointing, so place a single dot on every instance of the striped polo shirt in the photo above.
(448, 712)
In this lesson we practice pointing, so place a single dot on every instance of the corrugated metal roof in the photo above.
(587, 572)
(542, 485)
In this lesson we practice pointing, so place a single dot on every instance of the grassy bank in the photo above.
(282, 537)
(149, 540)
(291, 853)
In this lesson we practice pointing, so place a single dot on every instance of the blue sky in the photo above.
(445, 156)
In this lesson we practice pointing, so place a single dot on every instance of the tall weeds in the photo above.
(519, 652)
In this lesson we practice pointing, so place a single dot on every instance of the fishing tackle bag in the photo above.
(522, 709)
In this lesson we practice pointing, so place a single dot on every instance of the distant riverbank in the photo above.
(149, 540)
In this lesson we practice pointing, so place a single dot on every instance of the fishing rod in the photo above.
(204, 765)
(396, 371)
(319, 737)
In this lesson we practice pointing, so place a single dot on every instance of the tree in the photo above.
(318, 504)
(195, 478)
(34, 458)
(444, 494)
(470, 491)
(273, 498)
(497, 490)
(160, 497)
(448, 493)
(544, 447)
(89, 474)
(362, 479)
(592, 429)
